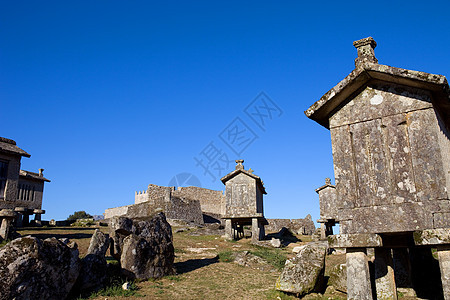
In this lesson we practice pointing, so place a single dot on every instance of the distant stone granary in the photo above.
(328, 208)
(20, 191)
(244, 203)
(390, 142)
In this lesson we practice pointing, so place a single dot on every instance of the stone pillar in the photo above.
(444, 264)
(7, 216)
(358, 275)
(37, 216)
(402, 271)
(323, 230)
(257, 230)
(384, 274)
(229, 229)
(20, 215)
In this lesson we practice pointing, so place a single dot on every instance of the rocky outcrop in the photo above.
(93, 272)
(144, 246)
(34, 269)
(338, 278)
(304, 273)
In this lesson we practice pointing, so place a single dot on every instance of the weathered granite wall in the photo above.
(116, 211)
(398, 130)
(304, 226)
(211, 201)
(12, 182)
(185, 210)
(140, 197)
(240, 197)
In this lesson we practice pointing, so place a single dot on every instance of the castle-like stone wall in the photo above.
(116, 211)
(211, 201)
(140, 197)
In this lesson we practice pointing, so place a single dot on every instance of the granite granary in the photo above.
(391, 144)
(21, 191)
(244, 203)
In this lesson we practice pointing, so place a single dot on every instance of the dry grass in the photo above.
(200, 273)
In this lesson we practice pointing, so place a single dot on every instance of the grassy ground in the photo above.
(203, 268)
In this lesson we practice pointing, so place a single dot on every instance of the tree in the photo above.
(79, 215)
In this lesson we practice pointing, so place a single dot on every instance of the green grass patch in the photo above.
(204, 237)
(115, 290)
(174, 278)
(178, 250)
(274, 294)
(226, 256)
(275, 257)
(111, 260)
(4, 242)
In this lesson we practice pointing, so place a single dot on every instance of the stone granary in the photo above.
(328, 208)
(391, 144)
(244, 203)
(20, 191)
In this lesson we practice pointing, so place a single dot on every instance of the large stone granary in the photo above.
(391, 151)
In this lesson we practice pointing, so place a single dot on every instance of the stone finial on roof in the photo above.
(327, 181)
(366, 53)
(239, 164)
(41, 172)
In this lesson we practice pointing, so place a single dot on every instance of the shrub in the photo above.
(79, 215)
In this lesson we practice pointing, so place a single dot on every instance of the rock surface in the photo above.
(147, 250)
(99, 243)
(34, 269)
(247, 259)
(338, 278)
(304, 273)
(93, 273)
(276, 243)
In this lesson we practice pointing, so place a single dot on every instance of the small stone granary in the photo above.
(391, 145)
(21, 191)
(244, 203)
(328, 208)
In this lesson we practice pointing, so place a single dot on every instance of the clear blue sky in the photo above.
(109, 96)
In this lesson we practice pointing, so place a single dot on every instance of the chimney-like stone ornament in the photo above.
(366, 53)
(41, 172)
(327, 181)
(239, 164)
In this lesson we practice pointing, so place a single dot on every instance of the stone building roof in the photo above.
(368, 70)
(327, 184)
(240, 169)
(32, 175)
(9, 146)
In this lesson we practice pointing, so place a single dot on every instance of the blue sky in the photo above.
(109, 96)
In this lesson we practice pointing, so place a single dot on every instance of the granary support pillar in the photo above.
(358, 275)
(7, 216)
(229, 231)
(444, 264)
(20, 215)
(257, 230)
(323, 234)
(384, 274)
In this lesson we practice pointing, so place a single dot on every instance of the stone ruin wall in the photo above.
(116, 211)
(304, 226)
(211, 201)
(140, 197)
(184, 210)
